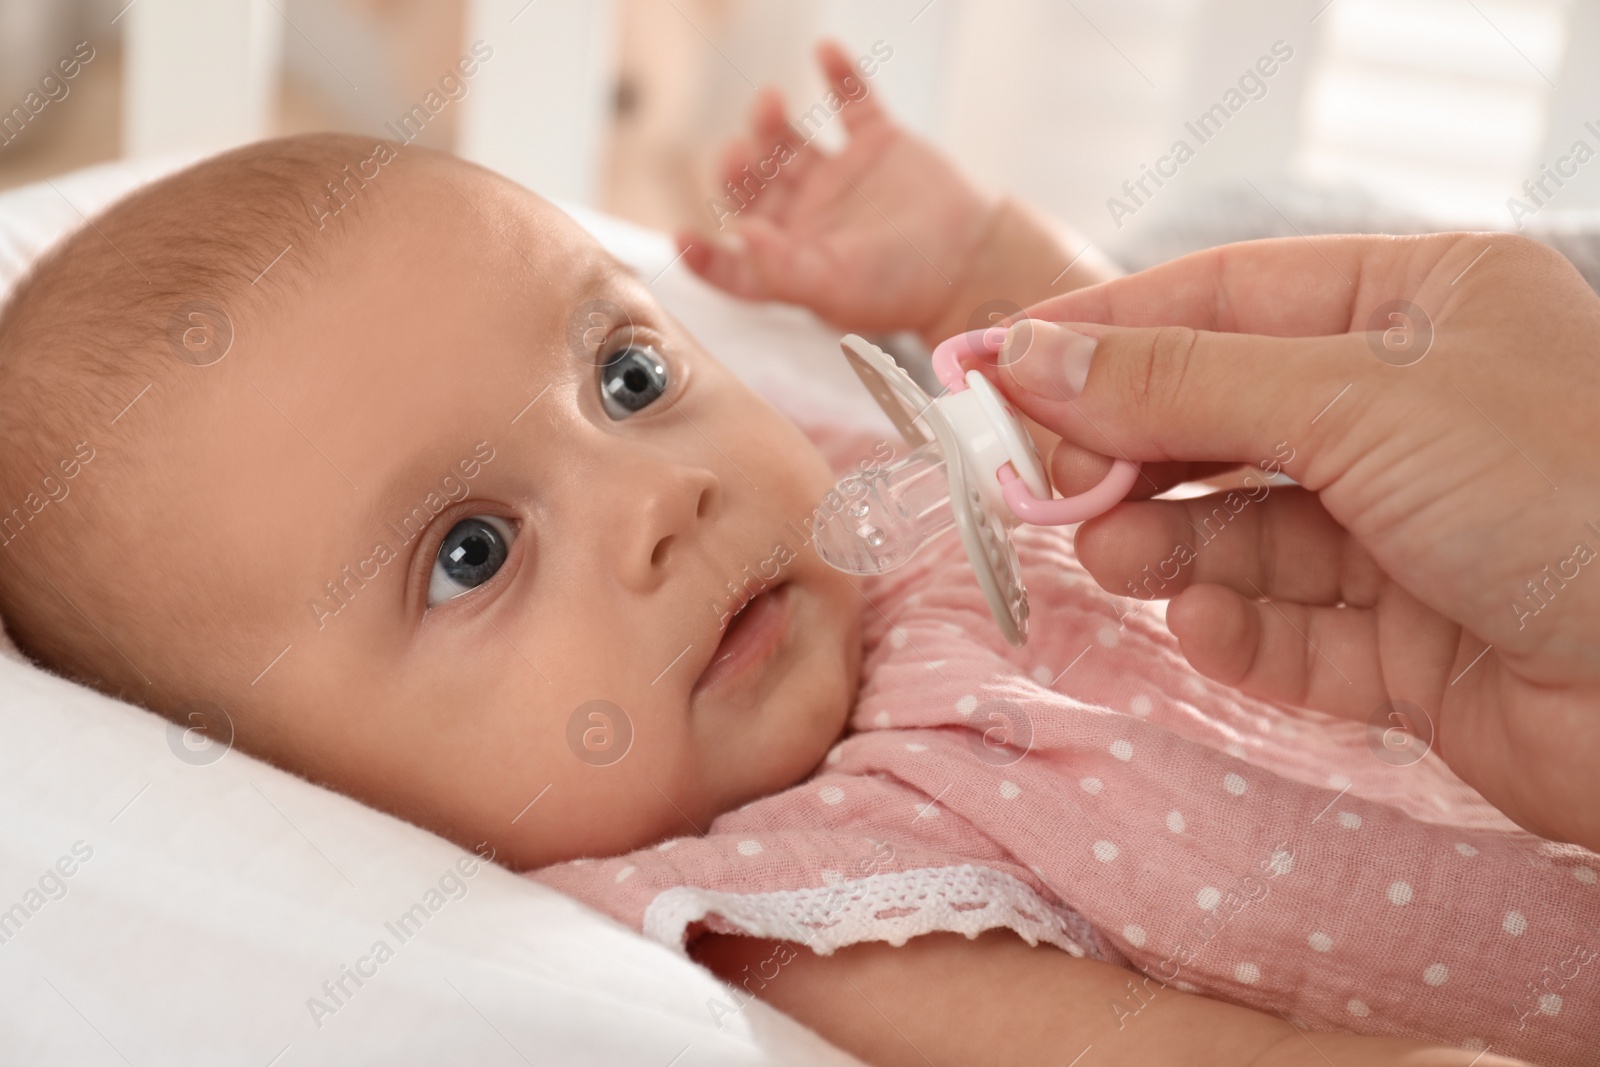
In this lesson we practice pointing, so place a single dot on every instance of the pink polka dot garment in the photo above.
(1092, 791)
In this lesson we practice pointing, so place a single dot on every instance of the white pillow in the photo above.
(209, 899)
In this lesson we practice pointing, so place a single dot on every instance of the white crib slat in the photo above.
(198, 74)
(540, 107)
(1573, 104)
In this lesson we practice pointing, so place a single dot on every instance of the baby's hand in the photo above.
(879, 236)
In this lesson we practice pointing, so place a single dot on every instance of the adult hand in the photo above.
(1443, 545)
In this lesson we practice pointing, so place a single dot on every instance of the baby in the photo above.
(423, 491)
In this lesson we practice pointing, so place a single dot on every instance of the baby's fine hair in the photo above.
(127, 311)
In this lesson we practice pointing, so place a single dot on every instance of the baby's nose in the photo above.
(664, 509)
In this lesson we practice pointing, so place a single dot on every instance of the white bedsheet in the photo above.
(216, 899)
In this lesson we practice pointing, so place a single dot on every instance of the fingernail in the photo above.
(1048, 359)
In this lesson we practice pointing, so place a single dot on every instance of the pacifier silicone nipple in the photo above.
(972, 467)
(889, 513)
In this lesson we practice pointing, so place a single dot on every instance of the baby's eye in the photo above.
(473, 550)
(632, 379)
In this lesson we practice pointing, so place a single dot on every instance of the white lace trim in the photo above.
(892, 907)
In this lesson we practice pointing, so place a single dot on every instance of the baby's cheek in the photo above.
(570, 808)
(624, 763)
(828, 673)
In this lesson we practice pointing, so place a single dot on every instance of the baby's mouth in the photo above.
(749, 639)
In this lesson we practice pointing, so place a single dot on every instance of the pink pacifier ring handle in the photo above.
(1102, 498)
(950, 359)
(974, 345)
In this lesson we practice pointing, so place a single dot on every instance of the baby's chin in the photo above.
(809, 710)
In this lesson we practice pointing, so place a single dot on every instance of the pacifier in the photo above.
(972, 465)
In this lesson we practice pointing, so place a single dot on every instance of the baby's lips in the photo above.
(1049, 359)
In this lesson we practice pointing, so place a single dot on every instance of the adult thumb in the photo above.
(1175, 393)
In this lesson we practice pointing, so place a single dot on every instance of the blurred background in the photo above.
(1439, 109)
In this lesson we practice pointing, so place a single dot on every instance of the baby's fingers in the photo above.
(771, 129)
(724, 263)
(796, 272)
(861, 110)
(780, 157)
(743, 187)
(736, 155)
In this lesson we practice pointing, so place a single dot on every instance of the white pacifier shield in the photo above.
(974, 443)
(991, 436)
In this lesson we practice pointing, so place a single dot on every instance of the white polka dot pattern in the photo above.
(1171, 812)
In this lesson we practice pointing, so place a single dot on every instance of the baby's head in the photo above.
(402, 488)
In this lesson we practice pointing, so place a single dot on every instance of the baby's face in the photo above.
(498, 526)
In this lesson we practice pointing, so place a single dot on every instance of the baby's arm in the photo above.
(946, 1000)
(1022, 258)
